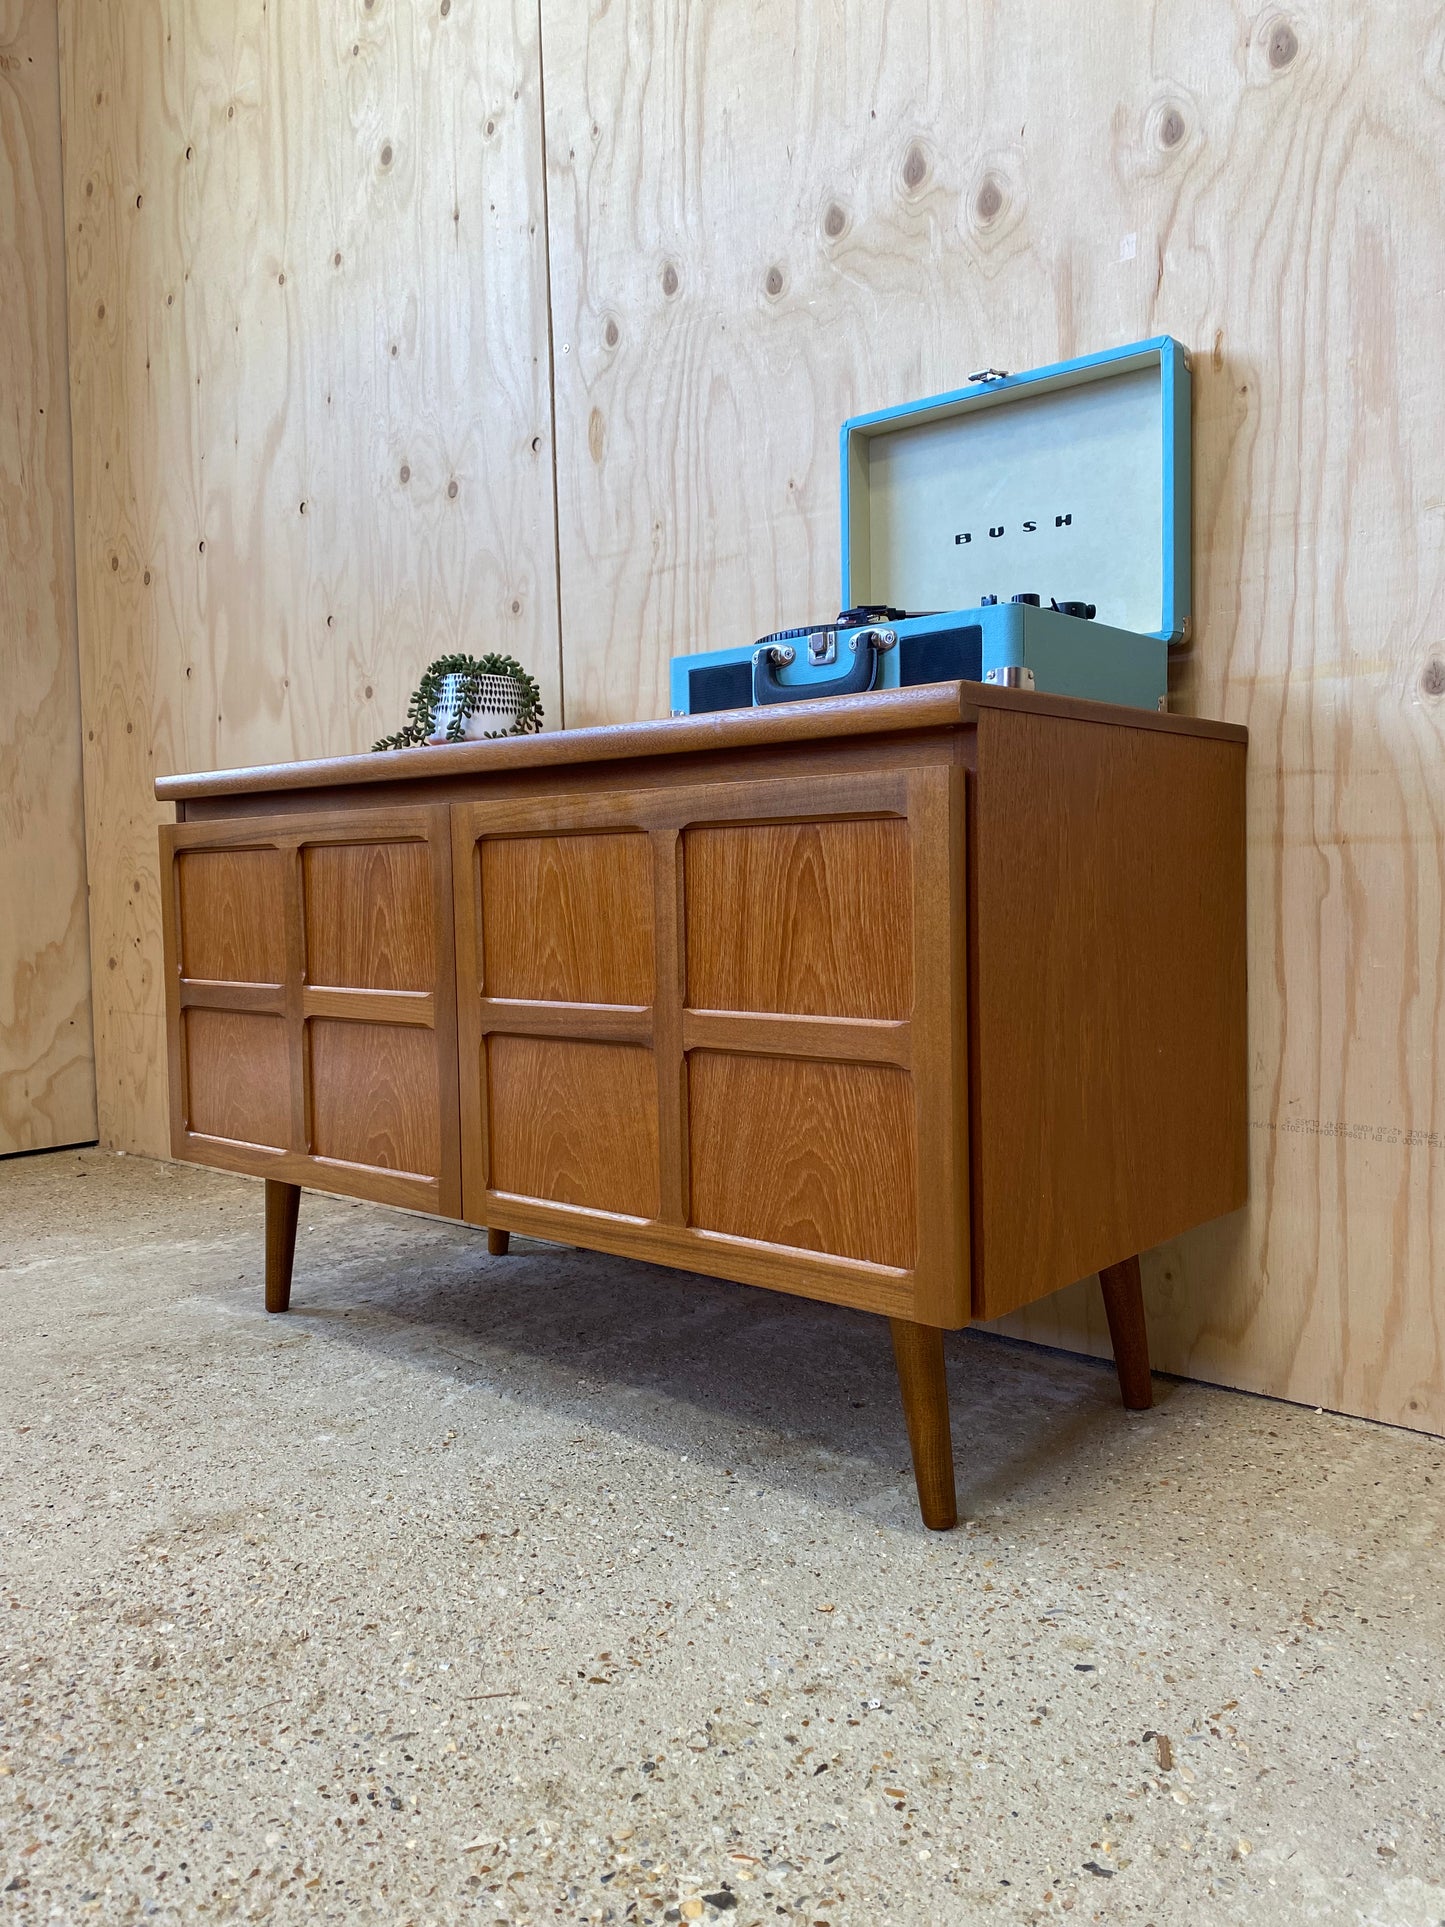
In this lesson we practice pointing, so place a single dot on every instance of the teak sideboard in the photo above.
(927, 1001)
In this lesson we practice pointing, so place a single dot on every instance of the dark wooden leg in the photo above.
(283, 1201)
(1124, 1307)
(499, 1243)
(924, 1384)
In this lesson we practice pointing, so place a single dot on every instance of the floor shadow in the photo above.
(752, 1381)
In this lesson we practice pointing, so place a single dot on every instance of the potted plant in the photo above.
(465, 698)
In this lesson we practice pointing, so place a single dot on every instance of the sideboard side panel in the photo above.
(1108, 984)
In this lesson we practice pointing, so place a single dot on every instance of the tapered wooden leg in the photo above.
(1124, 1307)
(283, 1201)
(924, 1384)
(499, 1243)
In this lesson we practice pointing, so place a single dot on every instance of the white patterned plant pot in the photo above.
(497, 711)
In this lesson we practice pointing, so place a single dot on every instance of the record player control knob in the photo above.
(1032, 600)
(988, 602)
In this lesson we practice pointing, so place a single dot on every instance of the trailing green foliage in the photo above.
(471, 669)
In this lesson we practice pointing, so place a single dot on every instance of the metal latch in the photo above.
(989, 374)
(823, 647)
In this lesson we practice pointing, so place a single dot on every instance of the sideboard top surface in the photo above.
(930, 706)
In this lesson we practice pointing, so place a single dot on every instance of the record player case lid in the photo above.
(1070, 481)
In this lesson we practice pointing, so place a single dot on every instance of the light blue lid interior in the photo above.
(1070, 482)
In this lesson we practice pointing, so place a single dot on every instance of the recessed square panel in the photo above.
(238, 1076)
(819, 1156)
(233, 915)
(369, 913)
(810, 919)
(568, 918)
(374, 1096)
(574, 1123)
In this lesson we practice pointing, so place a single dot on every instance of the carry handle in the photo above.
(867, 644)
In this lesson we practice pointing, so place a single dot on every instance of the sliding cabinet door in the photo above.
(310, 988)
(720, 1027)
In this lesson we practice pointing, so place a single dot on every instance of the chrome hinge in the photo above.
(1012, 676)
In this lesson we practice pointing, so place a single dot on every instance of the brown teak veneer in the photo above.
(925, 1002)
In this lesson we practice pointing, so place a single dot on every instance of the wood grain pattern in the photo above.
(574, 1122)
(1108, 983)
(381, 1006)
(327, 783)
(238, 1077)
(233, 913)
(309, 380)
(852, 780)
(821, 1157)
(366, 1077)
(47, 1069)
(1267, 186)
(806, 918)
(374, 1096)
(568, 918)
(842, 1040)
(368, 915)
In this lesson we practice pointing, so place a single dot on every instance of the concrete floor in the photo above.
(558, 1588)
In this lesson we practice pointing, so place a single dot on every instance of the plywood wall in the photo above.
(309, 257)
(47, 1073)
(767, 217)
(308, 354)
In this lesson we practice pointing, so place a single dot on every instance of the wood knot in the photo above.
(386, 154)
(1283, 44)
(834, 221)
(611, 334)
(915, 167)
(1172, 128)
(405, 473)
(1433, 680)
(988, 202)
(446, 8)
(452, 489)
(773, 282)
(669, 280)
(490, 129)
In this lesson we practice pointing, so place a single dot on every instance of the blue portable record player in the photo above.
(1043, 518)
